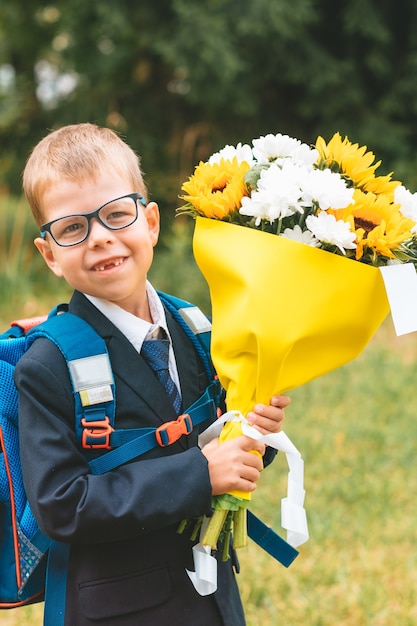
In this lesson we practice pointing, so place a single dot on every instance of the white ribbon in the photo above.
(204, 578)
(293, 514)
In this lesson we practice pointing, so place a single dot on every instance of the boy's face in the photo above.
(109, 264)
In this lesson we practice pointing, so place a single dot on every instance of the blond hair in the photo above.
(77, 153)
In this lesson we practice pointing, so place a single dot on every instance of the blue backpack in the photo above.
(31, 565)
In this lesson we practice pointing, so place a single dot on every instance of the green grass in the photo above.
(355, 429)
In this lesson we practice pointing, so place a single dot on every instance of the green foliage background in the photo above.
(181, 78)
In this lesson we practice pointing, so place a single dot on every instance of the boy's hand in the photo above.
(232, 466)
(268, 419)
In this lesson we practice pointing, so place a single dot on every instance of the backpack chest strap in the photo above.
(129, 444)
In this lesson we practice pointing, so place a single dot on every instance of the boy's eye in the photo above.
(69, 228)
(115, 215)
(72, 228)
(119, 213)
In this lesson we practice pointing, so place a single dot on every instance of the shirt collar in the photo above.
(134, 328)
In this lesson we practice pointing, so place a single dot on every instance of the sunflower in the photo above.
(355, 163)
(216, 190)
(378, 223)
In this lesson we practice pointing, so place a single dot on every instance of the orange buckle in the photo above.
(95, 431)
(172, 431)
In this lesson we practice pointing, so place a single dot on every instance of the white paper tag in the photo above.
(401, 287)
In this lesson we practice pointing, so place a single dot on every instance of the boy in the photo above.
(127, 562)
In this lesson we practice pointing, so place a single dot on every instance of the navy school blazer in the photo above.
(127, 562)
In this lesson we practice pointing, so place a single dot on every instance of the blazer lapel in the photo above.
(192, 376)
(187, 364)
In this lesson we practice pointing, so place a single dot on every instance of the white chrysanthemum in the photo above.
(278, 194)
(297, 234)
(327, 229)
(408, 204)
(326, 188)
(243, 152)
(281, 147)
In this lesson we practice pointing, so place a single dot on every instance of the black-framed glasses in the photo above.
(114, 215)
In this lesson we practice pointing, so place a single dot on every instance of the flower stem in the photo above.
(279, 226)
(196, 529)
(214, 528)
(227, 530)
(240, 532)
(182, 526)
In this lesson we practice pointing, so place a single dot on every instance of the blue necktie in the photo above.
(155, 352)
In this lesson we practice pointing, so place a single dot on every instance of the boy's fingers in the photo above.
(249, 444)
(280, 400)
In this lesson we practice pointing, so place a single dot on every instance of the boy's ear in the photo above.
(48, 255)
(152, 218)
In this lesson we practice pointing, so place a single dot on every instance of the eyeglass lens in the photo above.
(115, 215)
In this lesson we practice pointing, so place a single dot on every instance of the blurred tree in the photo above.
(180, 78)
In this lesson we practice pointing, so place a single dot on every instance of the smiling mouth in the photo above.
(108, 265)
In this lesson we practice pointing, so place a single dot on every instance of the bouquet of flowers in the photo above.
(290, 251)
(327, 197)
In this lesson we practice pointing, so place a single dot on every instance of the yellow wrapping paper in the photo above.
(283, 312)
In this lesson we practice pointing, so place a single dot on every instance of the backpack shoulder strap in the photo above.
(195, 325)
(86, 355)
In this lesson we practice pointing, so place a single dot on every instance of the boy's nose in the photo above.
(99, 233)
